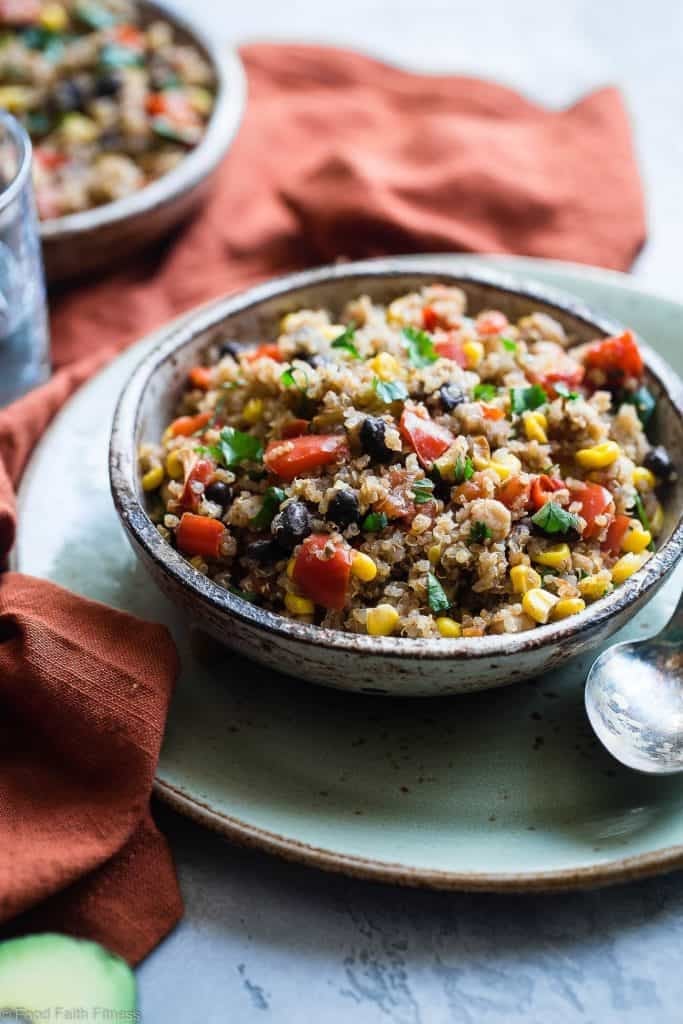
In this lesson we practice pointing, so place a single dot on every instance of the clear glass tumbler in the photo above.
(24, 333)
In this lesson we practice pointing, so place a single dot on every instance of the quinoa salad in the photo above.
(409, 470)
(110, 102)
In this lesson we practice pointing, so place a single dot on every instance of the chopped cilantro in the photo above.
(479, 532)
(246, 595)
(464, 469)
(374, 522)
(552, 518)
(509, 345)
(422, 491)
(485, 391)
(644, 401)
(523, 399)
(421, 351)
(563, 391)
(438, 602)
(288, 380)
(390, 390)
(235, 447)
(272, 499)
(345, 341)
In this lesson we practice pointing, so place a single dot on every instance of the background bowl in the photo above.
(402, 667)
(81, 243)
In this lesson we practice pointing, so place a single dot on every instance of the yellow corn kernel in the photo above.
(593, 587)
(538, 604)
(628, 564)
(174, 465)
(332, 331)
(299, 605)
(78, 130)
(201, 100)
(54, 18)
(15, 98)
(568, 606)
(535, 424)
(290, 568)
(657, 520)
(524, 578)
(434, 553)
(386, 367)
(636, 538)
(153, 478)
(399, 311)
(382, 620)
(643, 478)
(448, 627)
(199, 564)
(556, 557)
(474, 353)
(363, 567)
(599, 456)
(504, 464)
(253, 411)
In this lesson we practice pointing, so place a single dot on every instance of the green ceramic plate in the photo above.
(501, 790)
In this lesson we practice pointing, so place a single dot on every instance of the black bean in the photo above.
(108, 83)
(451, 395)
(442, 488)
(658, 461)
(263, 551)
(220, 492)
(229, 348)
(66, 97)
(344, 509)
(372, 439)
(291, 526)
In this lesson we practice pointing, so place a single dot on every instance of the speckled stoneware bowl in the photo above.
(386, 665)
(81, 243)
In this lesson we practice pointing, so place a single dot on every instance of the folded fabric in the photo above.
(339, 157)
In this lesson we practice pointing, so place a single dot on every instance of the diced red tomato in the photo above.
(427, 439)
(570, 377)
(186, 425)
(295, 428)
(271, 350)
(200, 473)
(296, 455)
(199, 535)
(19, 12)
(130, 36)
(321, 577)
(492, 322)
(450, 348)
(174, 105)
(201, 377)
(595, 501)
(618, 356)
(430, 318)
(491, 412)
(615, 534)
(542, 489)
(514, 493)
(48, 157)
(398, 503)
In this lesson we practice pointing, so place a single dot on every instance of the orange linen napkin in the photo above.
(339, 156)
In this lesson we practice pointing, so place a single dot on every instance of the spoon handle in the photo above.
(673, 631)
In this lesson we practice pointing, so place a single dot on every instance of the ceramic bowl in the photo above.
(81, 243)
(385, 665)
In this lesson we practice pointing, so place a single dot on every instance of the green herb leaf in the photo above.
(374, 522)
(485, 391)
(552, 518)
(438, 602)
(288, 380)
(523, 399)
(345, 341)
(246, 595)
(421, 351)
(272, 499)
(509, 345)
(464, 469)
(644, 401)
(422, 491)
(390, 390)
(479, 532)
(235, 447)
(563, 391)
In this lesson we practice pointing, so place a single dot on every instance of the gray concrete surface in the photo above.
(264, 940)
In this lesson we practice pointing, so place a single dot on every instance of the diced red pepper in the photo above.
(450, 348)
(427, 439)
(615, 534)
(295, 428)
(201, 377)
(321, 577)
(272, 351)
(48, 157)
(199, 535)
(492, 322)
(130, 36)
(491, 412)
(200, 473)
(174, 105)
(514, 493)
(570, 377)
(186, 425)
(595, 501)
(430, 318)
(296, 455)
(19, 12)
(618, 356)
(542, 489)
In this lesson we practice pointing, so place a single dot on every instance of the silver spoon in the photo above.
(634, 700)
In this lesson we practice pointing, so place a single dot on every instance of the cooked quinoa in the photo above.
(110, 101)
(413, 471)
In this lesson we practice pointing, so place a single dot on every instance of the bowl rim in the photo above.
(123, 470)
(197, 164)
